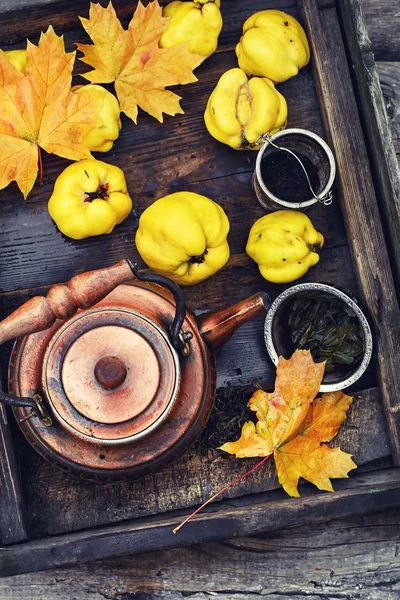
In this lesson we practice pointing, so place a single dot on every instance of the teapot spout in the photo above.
(217, 327)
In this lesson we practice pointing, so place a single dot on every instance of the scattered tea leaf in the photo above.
(228, 415)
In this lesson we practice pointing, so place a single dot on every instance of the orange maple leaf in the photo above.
(133, 60)
(38, 109)
(291, 425)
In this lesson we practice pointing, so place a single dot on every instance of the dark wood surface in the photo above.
(12, 523)
(40, 255)
(359, 204)
(352, 559)
(196, 564)
(361, 494)
(56, 499)
(374, 120)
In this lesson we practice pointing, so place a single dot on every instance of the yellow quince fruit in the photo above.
(199, 23)
(183, 236)
(273, 45)
(283, 244)
(89, 198)
(102, 138)
(239, 110)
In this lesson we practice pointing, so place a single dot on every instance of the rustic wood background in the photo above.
(356, 558)
(35, 255)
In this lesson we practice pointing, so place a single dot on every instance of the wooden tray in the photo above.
(48, 518)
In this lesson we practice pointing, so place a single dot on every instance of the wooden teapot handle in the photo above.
(63, 300)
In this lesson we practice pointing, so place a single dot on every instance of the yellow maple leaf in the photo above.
(38, 109)
(292, 425)
(133, 59)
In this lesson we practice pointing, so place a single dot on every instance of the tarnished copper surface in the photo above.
(184, 422)
(216, 328)
(86, 407)
(110, 372)
(118, 403)
(62, 301)
(60, 364)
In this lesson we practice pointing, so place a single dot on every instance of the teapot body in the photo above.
(135, 427)
(111, 380)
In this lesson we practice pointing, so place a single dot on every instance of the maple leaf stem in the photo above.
(229, 485)
(40, 167)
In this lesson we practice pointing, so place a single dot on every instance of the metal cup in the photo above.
(278, 343)
(296, 142)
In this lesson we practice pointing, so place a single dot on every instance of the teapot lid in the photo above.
(111, 376)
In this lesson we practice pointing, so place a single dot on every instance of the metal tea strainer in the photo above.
(295, 142)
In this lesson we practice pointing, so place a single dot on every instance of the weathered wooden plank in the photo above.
(357, 495)
(389, 78)
(35, 253)
(80, 592)
(358, 201)
(224, 288)
(13, 5)
(12, 525)
(375, 126)
(354, 558)
(382, 18)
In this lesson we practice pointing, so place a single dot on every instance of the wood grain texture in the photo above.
(357, 495)
(355, 559)
(358, 201)
(375, 126)
(64, 17)
(382, 19)
(389, 77)
(12, 524)
(35, 254)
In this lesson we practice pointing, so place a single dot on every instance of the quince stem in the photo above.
(101, 192)
(229, 485)
(198, 259)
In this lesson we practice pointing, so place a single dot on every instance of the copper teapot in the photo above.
(111, 376)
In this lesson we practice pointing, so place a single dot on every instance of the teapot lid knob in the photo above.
(110, 372)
